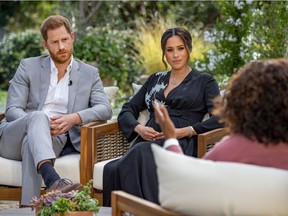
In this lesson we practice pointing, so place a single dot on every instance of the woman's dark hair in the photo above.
(255, 103)
(182, 33)
(53, 22)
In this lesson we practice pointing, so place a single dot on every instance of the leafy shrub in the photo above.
(229, 38)
(246, 31)
(114, 53)
(56, 202)
(14, 47)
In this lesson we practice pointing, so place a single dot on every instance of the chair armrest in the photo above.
(124, 202)
(86, 167)
(208, 140)
(98, 143)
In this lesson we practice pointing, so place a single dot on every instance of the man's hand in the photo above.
(163, 119)
(60, 124)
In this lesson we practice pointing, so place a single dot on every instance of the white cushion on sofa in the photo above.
(144, 115)
(98, 173)
(193, 186)
(111, 91)
(11, 172)
(67, 167)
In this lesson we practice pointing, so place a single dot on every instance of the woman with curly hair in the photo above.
(255, 109)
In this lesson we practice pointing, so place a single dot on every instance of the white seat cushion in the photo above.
(10, 172)
(98, 173)
(111, 91)
(144, 115)
(67, 167)
(193, 186)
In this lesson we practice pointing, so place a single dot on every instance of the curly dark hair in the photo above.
(255, 102)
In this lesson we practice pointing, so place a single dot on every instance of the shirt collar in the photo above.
(53, 67)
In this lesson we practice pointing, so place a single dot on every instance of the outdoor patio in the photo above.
(8, 205)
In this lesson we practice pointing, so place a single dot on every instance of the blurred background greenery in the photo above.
(122, 38)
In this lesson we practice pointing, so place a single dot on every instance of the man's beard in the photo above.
(60, 59)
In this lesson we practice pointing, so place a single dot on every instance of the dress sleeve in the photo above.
(211, 90)
(130, 112)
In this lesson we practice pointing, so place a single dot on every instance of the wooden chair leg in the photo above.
(10, 193)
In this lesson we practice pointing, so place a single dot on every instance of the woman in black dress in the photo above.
(187, 94)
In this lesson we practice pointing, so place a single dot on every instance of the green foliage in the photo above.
(84, 200)
(271, 29)
(194, 14)
(232, 29)
(237, 32)
(246, 31)
(22, 15)
(3, 96)
(114, 53)
(124, 14)
(14, 47)
(57, 202)
(149, 43)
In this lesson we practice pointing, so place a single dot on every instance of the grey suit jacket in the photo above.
(29, 87)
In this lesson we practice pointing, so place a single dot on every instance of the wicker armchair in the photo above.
(101, 141)
(104, 141)
(107, 142)
(13, 192)
(207, 140)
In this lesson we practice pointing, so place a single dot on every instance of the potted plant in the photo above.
(72, 203)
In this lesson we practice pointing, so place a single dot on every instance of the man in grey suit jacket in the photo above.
(49, 98)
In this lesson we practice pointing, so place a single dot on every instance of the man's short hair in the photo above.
(53, 22)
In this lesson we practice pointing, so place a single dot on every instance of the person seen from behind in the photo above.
(255, 109)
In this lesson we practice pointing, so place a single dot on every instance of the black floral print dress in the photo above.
(187, 104)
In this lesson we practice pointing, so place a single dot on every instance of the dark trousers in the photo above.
(134, 173)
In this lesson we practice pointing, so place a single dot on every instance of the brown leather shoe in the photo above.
(65, 186)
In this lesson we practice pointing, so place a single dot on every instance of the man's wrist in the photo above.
(78, 120)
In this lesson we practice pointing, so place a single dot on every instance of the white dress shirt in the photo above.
(57, 98)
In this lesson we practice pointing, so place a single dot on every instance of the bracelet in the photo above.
(192, 129)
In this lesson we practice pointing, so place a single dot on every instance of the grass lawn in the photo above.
(3, 96)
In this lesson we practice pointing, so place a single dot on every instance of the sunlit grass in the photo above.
(149, 44)
(150, 47)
